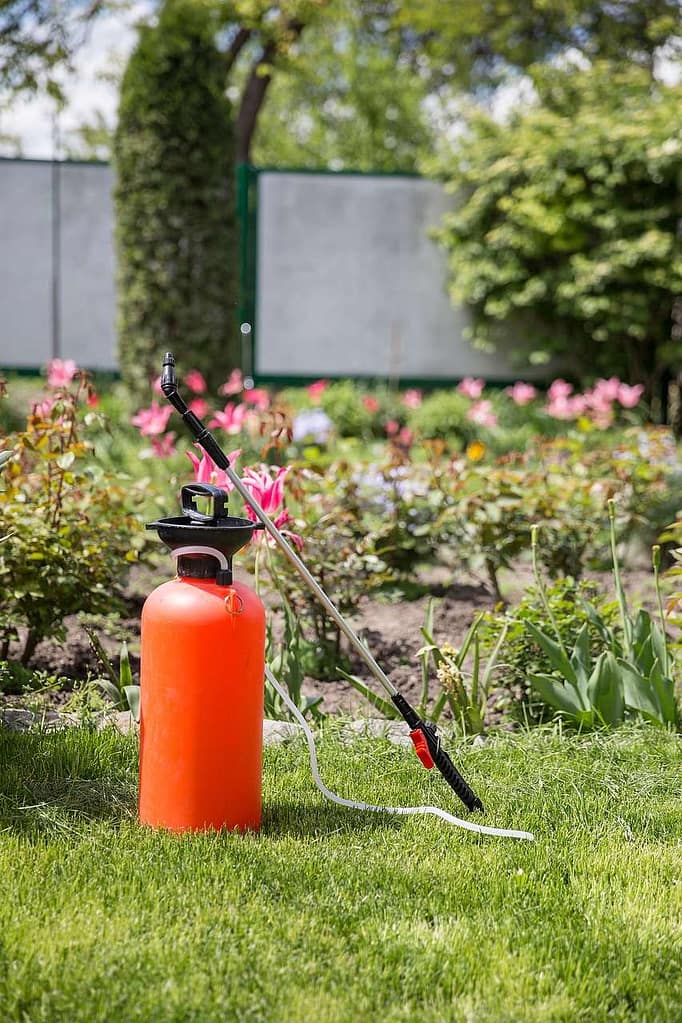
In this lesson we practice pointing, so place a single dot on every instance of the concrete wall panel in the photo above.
(25, 263)
(88, 266)
(349, 281)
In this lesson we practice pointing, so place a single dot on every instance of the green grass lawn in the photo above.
(334, 915)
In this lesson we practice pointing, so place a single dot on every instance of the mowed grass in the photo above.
(335, 915)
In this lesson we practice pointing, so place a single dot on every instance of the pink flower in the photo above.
(482, 414)
(628, 396)
(391, 426)
(258, 397)
(559, 389)
(269, 493)
(406, 436)
(566, 406)
(471, 387)
(231, 419)
(42, 409)
(206, 471)
(61, 373)
(597, 400)
(608, 389)
(199, 407)
(164, 447)
(371, 404)
(316, 390)
(156, 385)
(412, 398)
(195, 382)
(153, 420)
(92, 400)
(521, 393)
(234, 384)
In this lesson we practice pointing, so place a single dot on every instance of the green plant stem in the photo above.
(656, 561)
(618, 584)
(541, 587)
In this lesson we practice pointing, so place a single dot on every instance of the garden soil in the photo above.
(391, 630)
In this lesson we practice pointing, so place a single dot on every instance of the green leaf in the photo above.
(581, 658)
(605, 689)
(639, 693)
(665, 693)
(386, 708)
(112, 691)
(132, 695)
(125, 675)
(556, 656)
(560, 696)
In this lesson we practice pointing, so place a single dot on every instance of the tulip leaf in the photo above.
(555, 653)
(605, 689)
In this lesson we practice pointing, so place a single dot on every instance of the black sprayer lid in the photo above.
(214, 530)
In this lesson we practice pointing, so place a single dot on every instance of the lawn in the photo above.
(333, 915)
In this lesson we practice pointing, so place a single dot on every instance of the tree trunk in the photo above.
(255, 90)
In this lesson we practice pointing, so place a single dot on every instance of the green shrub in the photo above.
(342, 401)
(443, 416)
(567, 230)
(174, 195)
(71, 534)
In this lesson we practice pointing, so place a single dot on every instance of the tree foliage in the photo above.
(566, 226)
(174, 200)
(472, 43)
(348, 98)
(38, 39)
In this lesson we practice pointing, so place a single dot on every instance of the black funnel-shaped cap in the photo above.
(218, 530)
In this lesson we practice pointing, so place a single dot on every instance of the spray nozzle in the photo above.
(168, 381)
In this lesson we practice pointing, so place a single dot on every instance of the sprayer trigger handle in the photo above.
(421, 748)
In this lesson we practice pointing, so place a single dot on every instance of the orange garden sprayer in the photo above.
(203, 667)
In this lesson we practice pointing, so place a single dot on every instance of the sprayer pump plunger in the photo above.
(423, 734)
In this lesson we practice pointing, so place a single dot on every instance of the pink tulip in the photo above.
(371, 404)
(195, 382)
(566, 406)
(406, 436)
(258, 397)
(316, 390)
(164, 447)
(559, 389)
(607, 389)
(521, 393)
(597, 401)
(471, 387)
(231, 419)
(199, 407)
(206, 471)
(482, 414)
(234, 384)
(391, 426)
(61, 373)
(412, 398)
(269, 493)
(153, 420)
(628, 396)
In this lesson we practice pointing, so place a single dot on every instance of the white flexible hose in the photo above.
(481, 829)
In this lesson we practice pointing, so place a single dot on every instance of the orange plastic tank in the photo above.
(201, 678)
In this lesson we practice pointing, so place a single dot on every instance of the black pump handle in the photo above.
(191, 491)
